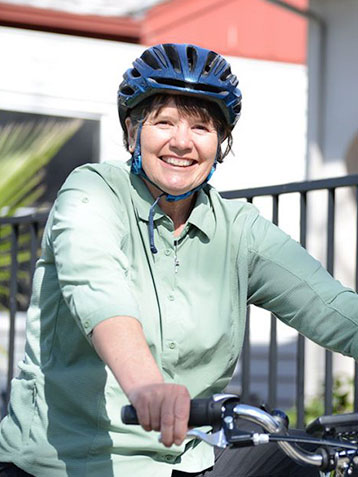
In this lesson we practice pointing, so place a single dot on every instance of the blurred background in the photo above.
(60, 67)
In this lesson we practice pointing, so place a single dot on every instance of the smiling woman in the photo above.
(114, 319)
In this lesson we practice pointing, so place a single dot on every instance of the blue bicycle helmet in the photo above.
(181, 69)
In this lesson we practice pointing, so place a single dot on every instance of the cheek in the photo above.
(209, 153)
(152, 143)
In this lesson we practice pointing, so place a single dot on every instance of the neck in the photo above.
(178, 211)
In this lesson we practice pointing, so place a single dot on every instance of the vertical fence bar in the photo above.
(272, 374)
(12, 305)
(328, 392)
(300, 363)
(245, 362)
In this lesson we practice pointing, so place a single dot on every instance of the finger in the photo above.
(167, 420)
(181, 417)
(154, 407)
(143, 414)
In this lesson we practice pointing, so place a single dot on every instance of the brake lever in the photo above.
(217, 439)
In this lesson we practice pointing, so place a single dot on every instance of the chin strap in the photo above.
(153, 248)
(137, 169)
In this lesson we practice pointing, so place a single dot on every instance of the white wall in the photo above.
(338, 85)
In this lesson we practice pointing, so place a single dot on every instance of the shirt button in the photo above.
(86, 324)
(85, 200)
(171, 297)
(172, 345)
(169, 458)
(167, 252)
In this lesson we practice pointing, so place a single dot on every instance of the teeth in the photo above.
(177, 162)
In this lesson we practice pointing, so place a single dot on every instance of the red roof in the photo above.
(247, 28)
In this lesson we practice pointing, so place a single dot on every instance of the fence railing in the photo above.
(20, 242)
(276, 193)
(19, 247)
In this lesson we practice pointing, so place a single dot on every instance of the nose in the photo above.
(181, 138)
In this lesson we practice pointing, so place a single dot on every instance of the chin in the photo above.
(172, 191)
(177, 188)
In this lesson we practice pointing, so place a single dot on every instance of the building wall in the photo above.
(79, 77)
(332, 133)
(246, 28)
(333, 94)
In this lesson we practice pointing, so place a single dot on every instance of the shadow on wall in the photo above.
(351, 156)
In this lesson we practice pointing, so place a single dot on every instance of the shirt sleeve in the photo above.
(88, 235)
(286, 280)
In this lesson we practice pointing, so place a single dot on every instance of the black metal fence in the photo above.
(276, 194)
(19, 247)
(20, 242)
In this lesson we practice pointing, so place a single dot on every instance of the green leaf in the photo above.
(25, 149)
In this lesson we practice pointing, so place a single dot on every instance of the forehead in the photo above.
(180, 109)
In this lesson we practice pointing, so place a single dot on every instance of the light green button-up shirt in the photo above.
(191, 298)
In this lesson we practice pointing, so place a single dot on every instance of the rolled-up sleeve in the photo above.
(88, 235)
(286, 280)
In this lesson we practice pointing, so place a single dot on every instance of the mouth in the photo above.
(177, 161)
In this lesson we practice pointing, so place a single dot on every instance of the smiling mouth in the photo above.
(175, 161)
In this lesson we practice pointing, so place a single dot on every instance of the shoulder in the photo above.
(232, 210)
(104, 173)
(95, 187)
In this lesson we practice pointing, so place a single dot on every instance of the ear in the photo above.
(131, 131)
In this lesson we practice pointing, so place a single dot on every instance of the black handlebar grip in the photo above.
(203, 412)
(129, 415)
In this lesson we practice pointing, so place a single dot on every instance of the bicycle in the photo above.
(336, 436)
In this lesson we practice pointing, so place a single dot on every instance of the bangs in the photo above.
(189, 106)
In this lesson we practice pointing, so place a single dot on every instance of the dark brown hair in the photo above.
(207, 111)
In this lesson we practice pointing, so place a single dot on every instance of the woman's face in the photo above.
(178, 151)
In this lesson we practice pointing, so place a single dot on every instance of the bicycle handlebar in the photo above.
(220, 412)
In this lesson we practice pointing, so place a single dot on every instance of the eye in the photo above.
(201, 127)
(164, 123)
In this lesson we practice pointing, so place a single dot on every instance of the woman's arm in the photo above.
(160, 406)
(285, 279)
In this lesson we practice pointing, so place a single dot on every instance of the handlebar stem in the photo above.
(273, 425)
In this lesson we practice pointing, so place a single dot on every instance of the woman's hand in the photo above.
(163, 407)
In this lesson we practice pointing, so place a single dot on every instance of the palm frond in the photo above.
(24, 150)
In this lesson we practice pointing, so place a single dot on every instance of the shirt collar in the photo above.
(143, 199)
(202, 216)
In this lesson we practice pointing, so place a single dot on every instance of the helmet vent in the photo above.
(237, 108)
(173, 56)
(127, 91)
(135, 73)
(210, 62)
(192, 57)
(188, 86)
(150, 60)
(220, 66)
(225, 74)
